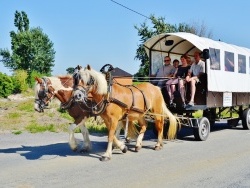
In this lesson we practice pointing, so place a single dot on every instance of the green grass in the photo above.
(198, 114)
(136, 83)
(94, 126)
(35, 128)
(97, 128)
(66, 116)
(17, 132)
(14, 115)
(28, 93)
(26, 106)
(223, 114)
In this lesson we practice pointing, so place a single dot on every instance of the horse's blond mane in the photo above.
(99, 79)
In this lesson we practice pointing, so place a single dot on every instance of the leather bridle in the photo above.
(45, 94)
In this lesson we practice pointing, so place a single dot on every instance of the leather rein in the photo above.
(108, 99)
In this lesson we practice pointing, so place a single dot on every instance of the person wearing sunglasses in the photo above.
(165, 71)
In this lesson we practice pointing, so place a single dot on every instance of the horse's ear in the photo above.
(88, 67)
(39, 80)
(79, 67)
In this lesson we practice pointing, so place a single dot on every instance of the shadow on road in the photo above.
(43, 152)
(54, 150)
(186, 133)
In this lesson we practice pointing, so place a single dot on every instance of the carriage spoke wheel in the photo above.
(201, 133)
(246, 119)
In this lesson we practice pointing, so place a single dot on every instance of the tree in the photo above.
(160, 26)
(31, 48)
(70, 70)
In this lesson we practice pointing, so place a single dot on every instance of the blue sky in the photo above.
(98, 32)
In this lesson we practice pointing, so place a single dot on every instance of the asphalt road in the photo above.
(45, 160)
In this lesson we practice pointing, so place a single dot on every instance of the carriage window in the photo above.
(214, 58)
(242, 64)
(229, 61)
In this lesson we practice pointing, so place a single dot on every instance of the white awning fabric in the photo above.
(187, 43)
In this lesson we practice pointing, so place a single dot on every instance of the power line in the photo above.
(130, 9)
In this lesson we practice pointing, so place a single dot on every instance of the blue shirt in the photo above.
(165, 71)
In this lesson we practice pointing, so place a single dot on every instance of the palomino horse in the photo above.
(131, 102)
(61, 87)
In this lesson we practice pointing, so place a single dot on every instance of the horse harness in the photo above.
(109, 79)
(109, 99)
(132, 107)
(45, 89)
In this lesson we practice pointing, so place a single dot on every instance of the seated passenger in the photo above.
(196, 70)
(167, 70)
(180, 72)
(189, 60)
(176, 64)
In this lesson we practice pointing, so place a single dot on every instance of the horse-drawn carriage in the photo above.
(223, 89)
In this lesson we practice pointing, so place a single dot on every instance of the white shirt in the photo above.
(197, 68)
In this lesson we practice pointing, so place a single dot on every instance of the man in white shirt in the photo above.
(196, 70)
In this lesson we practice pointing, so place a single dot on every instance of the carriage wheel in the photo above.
(246, 119)
(201, 133)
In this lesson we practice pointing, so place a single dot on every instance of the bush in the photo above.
(20, 81)
(6, 85)
(32, 77)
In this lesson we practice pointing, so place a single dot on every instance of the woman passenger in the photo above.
(179, 75)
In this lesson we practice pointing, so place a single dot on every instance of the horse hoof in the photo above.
(137, 148)
(103, 158)
(125, 149)
(157, 148)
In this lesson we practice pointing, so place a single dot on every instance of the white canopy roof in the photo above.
(220, 80)
(188, 43)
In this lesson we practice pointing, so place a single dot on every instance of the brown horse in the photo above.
(128, 102)
(61, 87)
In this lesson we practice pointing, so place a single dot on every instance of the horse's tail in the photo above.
(132, 131)
(174, 123)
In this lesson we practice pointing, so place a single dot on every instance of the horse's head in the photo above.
(82, 84)
(88, 82)
(47, 87)
(44, 92)
(76, 75)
